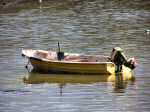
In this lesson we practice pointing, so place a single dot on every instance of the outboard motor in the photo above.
(118, 57)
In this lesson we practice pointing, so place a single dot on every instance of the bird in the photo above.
(40, 1)
(148, 31)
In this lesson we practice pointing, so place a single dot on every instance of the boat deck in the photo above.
(70, 57)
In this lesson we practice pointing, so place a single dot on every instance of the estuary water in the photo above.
(81, 26)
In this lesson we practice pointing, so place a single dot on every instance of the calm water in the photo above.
(90, 27)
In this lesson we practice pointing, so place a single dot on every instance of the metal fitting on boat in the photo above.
(60, 55)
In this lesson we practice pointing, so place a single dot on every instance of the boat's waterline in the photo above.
(103, 69)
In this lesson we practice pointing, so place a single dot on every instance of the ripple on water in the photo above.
(90, 27)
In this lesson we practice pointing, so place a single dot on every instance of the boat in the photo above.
(60, 62)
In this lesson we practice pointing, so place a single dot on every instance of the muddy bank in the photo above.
(10, 3)
(16, 5)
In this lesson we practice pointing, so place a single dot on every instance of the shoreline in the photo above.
(9, 6)
(6, 3)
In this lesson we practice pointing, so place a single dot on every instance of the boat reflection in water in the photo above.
(119, 81)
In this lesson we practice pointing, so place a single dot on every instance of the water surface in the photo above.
(90, 27)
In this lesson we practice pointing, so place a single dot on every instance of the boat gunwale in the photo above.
(71, 62)
(63, 61)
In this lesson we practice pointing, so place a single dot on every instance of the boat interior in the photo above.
(50, 55)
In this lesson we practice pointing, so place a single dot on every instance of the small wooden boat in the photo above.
(50, 61)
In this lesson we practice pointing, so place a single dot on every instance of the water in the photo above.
(90, 27)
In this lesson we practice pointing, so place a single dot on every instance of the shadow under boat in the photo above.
(37, 78)
(119, 82)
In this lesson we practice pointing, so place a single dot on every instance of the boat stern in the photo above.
(111, 68)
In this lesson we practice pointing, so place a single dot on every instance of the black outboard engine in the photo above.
(118, 57)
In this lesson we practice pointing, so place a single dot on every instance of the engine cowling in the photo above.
(118, 57)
